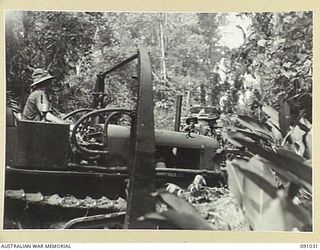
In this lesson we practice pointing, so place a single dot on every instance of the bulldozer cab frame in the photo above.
(55, 136)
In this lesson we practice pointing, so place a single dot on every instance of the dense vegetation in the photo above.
(268, 76)
(186, 51)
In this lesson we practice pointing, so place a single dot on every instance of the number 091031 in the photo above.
(309, 246)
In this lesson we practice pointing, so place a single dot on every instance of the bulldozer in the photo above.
(98, 173)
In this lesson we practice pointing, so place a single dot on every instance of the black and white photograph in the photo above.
(158, 121)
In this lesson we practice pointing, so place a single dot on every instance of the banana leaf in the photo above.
(304, 124)
(238, 152)
(258, 187)
(257, 136)
(294, 170)
(181, 214)
(261, 203)
(273, 218)
(276, 134)
(289, 154)
(273, 114)
(268, 186)
(284, 118)
(229, 138)
(296, 132)
(255, 126)
(283, 215)
(235, 181)
(308, 143)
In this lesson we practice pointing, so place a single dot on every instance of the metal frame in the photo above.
(142, 170)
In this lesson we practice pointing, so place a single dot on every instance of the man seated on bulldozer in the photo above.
(38, 106)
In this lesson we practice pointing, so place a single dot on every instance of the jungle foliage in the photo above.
(185, 50)
(272, 68)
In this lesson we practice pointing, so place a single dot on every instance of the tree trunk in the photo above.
(212, 94)
(163, 62)
(202, 95)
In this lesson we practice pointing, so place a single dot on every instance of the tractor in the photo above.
(99, 173)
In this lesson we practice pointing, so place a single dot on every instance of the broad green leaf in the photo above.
(253, 125)
(305, 122)
(295, 133)
(256, 175)
(273, 218)
(287, 175)
(260, 210)
(283, 215)
(229, 138)
(294, 170)
(289, 154)
(259, 187)
(299, 216)
(275, 133)
(239, 152)
(299, 147)
(176, 202)
(273, 114)
(284, 118)
(256, 135)
(235, 181)
(308, 145)
(181, 214)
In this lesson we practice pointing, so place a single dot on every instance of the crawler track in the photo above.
(35, 210)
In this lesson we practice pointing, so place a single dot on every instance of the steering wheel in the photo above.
(82, 127)
(77, 111)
